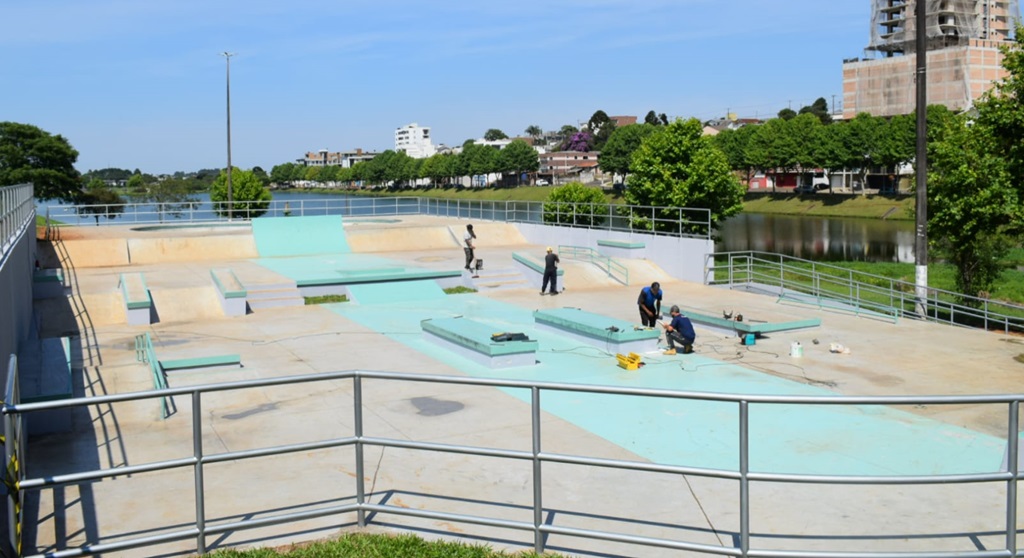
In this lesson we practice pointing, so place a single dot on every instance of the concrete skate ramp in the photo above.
(401, 239)
(105, 252)
(299, 236)
(490, 234)
(584, 275)
(190, 248)
(186, 304)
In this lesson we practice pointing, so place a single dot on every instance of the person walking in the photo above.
(469, 246)
(550, 272)
(679, 330)
(649, 302)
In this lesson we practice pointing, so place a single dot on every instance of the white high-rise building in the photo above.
(414, 140)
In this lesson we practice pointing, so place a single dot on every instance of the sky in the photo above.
(142, 84)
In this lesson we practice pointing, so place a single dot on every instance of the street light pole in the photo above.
(921, 162)
(227, 58)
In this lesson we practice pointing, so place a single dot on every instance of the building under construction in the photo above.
(963, 39)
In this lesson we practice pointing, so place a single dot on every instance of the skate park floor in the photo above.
(382, 332)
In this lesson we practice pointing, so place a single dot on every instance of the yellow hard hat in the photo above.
(549, 249)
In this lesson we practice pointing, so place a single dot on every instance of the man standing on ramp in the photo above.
(550, 272)
(468, 248)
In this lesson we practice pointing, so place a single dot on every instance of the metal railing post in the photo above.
(10, 455)
(357, 402)
(197, 452)
(1012, 451)
(744, 481)
(538, 507)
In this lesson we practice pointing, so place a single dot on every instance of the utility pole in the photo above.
(921, 231)
(227, 58)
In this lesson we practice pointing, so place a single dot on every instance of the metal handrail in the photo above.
(145, 354)
(17, 211)
(614, 269)
(359, 439)
(858, 290)
(671, 221)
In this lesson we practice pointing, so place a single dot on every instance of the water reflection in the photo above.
(818, 238)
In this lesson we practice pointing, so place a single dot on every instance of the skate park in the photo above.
(694, 458)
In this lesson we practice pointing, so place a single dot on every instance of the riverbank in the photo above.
(816, 205)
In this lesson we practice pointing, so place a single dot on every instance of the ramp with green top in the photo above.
(299, 236)
(474, 340)
(618, 336)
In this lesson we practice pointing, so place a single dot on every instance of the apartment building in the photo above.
(963, 40)
(344, 159)
(415, 141)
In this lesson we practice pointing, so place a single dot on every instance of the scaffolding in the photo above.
(949, 23)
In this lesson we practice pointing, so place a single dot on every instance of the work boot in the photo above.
(670, 352)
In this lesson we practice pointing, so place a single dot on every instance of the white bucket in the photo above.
(796, 349)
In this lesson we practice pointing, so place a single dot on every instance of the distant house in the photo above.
(344, 159)
(621, 121)
(563, 166)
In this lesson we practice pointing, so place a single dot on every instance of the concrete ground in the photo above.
(904, 358)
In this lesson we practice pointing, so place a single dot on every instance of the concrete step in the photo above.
(272, 293)
(282, 302)
(269, 286)
(520, 284)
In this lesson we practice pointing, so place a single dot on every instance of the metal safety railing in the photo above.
(828, 285)
(17, 211)
(201, 527)
(614, 269)
(145, 354)
(686, 222)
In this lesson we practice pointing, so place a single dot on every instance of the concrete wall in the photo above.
(683, 258)
(16, 267)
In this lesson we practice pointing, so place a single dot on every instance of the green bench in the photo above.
(621, 244)
(472, 340)
(741, 328)
(137, 302)
(620, 248)
(612, 334)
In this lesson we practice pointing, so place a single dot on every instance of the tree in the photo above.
(28, 154)
(734, 144)
(975, 192)
(679, 167)
(136, 185)
(580, 141)
(171, 196)
(576, 204)
(99, 200)
(601, 128)
(494, 134)
(478, 160)
(283, 173)
(534, 131)
(249, 197)
(262, 175)
(771, 148)
(652, 119)
(566, 131)
(616, 155)
(787, 114)
(518, 157)
(861, 144)
(819, 108)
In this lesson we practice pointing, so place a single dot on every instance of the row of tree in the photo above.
(398, 168)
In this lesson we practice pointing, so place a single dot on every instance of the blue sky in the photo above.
(141, 84)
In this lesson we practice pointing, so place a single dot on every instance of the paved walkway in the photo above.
(886, 358)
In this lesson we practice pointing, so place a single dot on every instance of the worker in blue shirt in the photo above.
(649, 302)
(679, 330)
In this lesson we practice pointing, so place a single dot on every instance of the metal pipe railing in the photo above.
(13, 411)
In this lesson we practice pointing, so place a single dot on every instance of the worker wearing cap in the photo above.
(550, 272)
(679, 330)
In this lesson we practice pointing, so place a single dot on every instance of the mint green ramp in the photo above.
(406, 291)
(299, 236)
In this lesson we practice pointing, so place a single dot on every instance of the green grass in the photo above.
(832, 205)
(459, 290)
(360, 545)
(325, 299)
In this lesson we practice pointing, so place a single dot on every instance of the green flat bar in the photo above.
(228, 284)
(48, 276)
(353, 278)
(531, 263)
(201, 362)
(136, 293)
(749, 327)
(475, 336)
(593, 325)
(620, 243)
